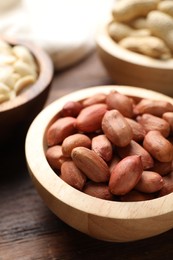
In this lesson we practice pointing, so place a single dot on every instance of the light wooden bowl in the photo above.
(104, 220)
(17, 114)
(129, 68)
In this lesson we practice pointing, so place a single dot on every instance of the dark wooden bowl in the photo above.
(17, 114)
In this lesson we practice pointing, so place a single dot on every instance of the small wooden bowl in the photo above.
(129, 68)
(17, 114)
(104, 220)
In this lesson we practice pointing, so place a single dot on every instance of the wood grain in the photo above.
(29, 230)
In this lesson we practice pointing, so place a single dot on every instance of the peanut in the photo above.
(120, 102)
(102, 146)
(135, 195)
(89, 119)
(163, 168)
(149, 45)
(91, 164)
(98, 190)
(118, 31)
(153, 107)
(116, 128)
(60, 129)
(166, 7)
(73, 141)
(72, 175)
(95, 99)
(126, 10)
(168, 185)
(55, 157)
(168, 116)
(161, 25)
(149, 182)
(71, 108)
(158, 146)
(125, 175)
(150, 122)
(136, 149)
(137, 129)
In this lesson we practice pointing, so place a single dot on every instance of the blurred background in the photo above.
(65, 29)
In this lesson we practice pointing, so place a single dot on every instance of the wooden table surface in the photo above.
(29, 230)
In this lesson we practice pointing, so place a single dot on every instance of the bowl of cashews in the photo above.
(136, 44)
(101, 158)
(26, 73)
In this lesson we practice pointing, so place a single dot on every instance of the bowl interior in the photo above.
(106, 220)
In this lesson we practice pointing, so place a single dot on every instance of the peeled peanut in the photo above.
(149, 182)
(73, 141)
(98, 190)
(137, 129)
(116, 128)
(153, 107)
(120, 102)
(125, 175)
(72, 175)
(150, 122)
(102, 146)
(60, 129)
(158, 146)
(91, 164)
(136, 149)
(89, 119)
(55, 156)
(71, 108)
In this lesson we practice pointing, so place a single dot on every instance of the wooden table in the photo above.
(29, 230)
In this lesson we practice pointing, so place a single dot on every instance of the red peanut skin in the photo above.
(95, 99)
(90, 118)
(168, 116)
(135, 195)
(55, 156)
(94, 167)
(116, 128)
(137, 129)
(71, 108)
(73, 141)
(153, 107)
(163, 168)
(60, 129)
(168, 185)
(136, 149)
(120, 102)
(98, 190)
(150, 122)
(150, 182)
(158, 146)
(72, 175)
(125, 175)
(102, 146)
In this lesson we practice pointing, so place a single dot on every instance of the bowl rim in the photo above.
(44, 79)
(35, 148)
(104, 40)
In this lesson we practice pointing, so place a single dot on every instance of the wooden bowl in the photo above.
(129, 68)
(102, 219)
(18, 113)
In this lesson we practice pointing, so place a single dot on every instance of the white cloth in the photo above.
(64, 28)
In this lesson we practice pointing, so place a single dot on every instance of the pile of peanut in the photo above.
(18, 70)
(144, 26)
(114, 147)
